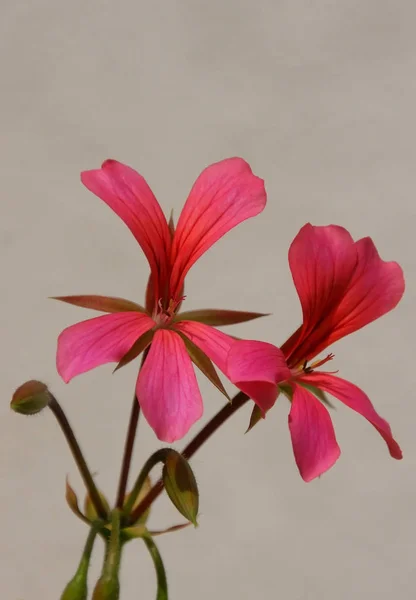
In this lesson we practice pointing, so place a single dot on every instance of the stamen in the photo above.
(321, 362)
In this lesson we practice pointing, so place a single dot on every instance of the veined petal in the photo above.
(214, 343)
(342, 285)
(103, 303)
(218, 317)
(225, 194)
(256, 368)
(322, 261)
(98, 341)
(352, 396)
(313, 436)
(167, 388)
(129, 196)
(374, 290)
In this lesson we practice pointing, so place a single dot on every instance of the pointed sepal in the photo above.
(255, 417)
(138, 347)
(219, 317)
(72, 502)
(320, 394)
(204, 364)
(106, 304)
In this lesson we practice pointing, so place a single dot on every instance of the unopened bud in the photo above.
(107, 589)
(30, 398)
(180, 485)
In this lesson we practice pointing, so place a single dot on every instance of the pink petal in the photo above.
(322, 261)
(374, 290)
(98, 341)
(313, 436)
(352, 396)
(256, 368)
(214, 343)
(225, 194)
(129, 196)
(167, 388)
(342, 285)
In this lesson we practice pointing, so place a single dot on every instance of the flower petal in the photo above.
(225, 194)
(374, 290)
(313, 436)
(256, 368)
(352, 396)
(322, 261)
(129, 196)
(215, 344)
(342, 285)
(167, 388)
(101, 340)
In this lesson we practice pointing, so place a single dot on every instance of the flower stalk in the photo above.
(78, 456)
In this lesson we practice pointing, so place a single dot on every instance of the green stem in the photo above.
(162, 584)
(211, 427)
(108, 586)
(158, 456)
(78, 456)
(77, 588)
(129, 445)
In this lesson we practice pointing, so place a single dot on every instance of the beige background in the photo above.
(320, 98)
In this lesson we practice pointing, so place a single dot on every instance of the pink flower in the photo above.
(342, 286)
(224, 195)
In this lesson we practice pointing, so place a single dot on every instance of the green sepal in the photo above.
(218, 317)
(255, 417)
(106, 304)
(138, 347)
(204, 364)
(72, 502)
(320, 394)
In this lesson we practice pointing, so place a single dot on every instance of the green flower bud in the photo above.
(30, 398)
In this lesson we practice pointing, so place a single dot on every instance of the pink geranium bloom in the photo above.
(224, 195)
(342, 286)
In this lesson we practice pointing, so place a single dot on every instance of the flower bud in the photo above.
(77, 588)
(107, 589)
(30, 398)
(180, 485)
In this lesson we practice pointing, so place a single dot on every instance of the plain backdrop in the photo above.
(320, 98)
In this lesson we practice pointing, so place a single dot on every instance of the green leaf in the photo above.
(107, 304)
(180, 485)
(217, 317)
(204, 364)
(137, 348)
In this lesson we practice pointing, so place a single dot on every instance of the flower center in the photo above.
(304, 369)
(165, 316)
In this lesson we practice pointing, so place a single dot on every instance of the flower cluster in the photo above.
(342, 285)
